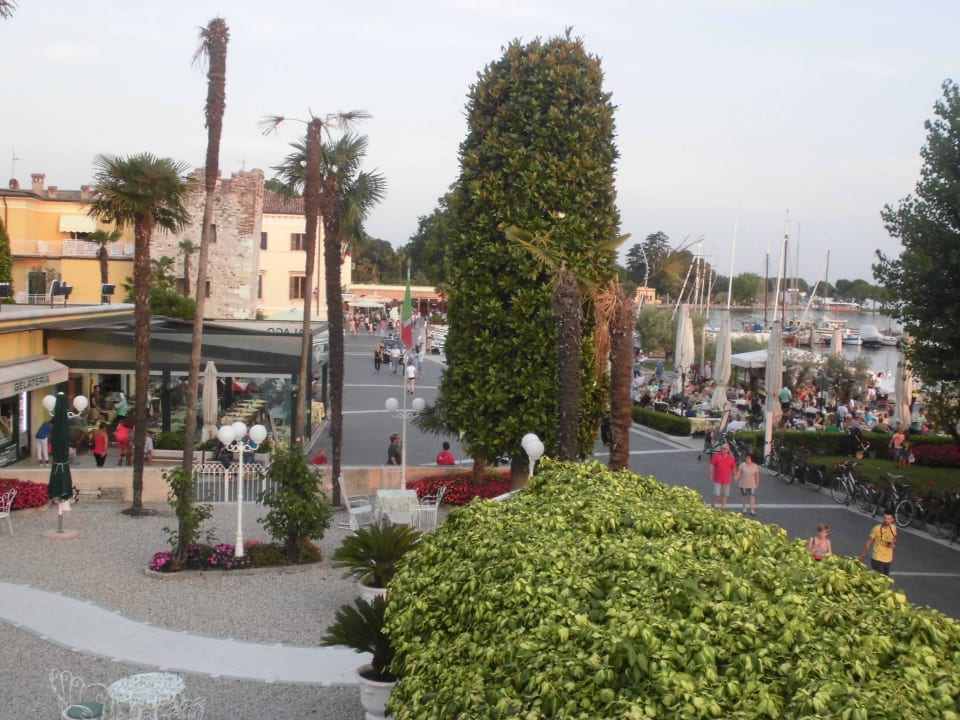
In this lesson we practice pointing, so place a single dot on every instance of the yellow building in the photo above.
(48, 230)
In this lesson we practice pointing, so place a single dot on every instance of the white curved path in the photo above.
(86, 627)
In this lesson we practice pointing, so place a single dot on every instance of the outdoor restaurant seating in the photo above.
(429, 505)
(6, 505)
(359, 509)
(77, 698)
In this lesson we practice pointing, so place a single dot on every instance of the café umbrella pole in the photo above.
(60, 487)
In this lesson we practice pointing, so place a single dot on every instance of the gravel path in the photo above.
(105, 565)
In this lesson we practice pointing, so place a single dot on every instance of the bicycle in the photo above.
(895, 499)
(843, 484)
(773, 460)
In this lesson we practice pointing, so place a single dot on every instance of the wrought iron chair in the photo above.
(429, 505)
(6, 506)
(191, 709)
(78, 700)
(359, 509)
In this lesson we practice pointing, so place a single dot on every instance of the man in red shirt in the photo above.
(722, 465)
(445, 457)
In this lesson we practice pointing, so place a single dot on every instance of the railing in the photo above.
(68, 248)
(214, 483)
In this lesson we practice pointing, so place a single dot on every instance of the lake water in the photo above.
(882, 359)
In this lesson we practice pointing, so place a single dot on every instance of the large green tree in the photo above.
(925, 279)
(539, 155)
(146, 192)
(428, 245)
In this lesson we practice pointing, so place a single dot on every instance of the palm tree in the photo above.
(187, 248)
(146, 192)
(103, 238)
(213, 47)
(575, 280)
(7, 7)
(615, 322)
(346, 195)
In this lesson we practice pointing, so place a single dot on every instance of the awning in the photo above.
(31, 375)
(77, 224)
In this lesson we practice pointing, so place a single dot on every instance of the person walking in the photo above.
(897, 443)
(748, 478)
(410, 372)
(819, 545)
(394, 456)
(883, 538)
(43, 444)
(378, 357)
(122, 436)
(722, 465)
(101, 441)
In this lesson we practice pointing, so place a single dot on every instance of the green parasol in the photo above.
(60, 487)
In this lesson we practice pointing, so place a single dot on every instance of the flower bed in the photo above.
(936, 455)
(29, 494)
(201, 556)
(460, 491)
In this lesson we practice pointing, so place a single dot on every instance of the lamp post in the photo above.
(233, 438)
(80, 403)
(403, 413)
(533, 447)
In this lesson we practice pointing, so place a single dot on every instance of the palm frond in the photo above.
(215, 33)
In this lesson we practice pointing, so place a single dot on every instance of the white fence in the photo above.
(214, 483)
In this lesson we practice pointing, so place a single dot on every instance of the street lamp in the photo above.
(233, 439)
(80, 402)
(533, 447)
(404, 414)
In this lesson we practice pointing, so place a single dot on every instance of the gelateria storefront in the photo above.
(19, 379)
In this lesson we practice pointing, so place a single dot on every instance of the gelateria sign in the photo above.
(30, 375)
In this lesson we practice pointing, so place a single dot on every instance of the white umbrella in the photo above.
(721, 367)
(773, 381)
(683, 348)
(903, 389)
(836, 344)
(210, 415)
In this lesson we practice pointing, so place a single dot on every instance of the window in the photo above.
(298, 241)
(263, 241)
(260, 285)
(213, 233)
(298, 287)
(206, 289)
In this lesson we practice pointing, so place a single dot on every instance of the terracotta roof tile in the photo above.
(278, 205)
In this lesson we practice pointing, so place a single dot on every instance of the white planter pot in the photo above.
(369, 593)
(373, 695)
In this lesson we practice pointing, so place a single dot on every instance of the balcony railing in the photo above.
(69, 248)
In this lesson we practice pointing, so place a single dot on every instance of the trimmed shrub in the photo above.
(664, 421)
(608, 595)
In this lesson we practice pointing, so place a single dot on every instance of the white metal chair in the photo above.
(359, 509)
(78, 700)
(192, 709)
(429, 505)
(6, 506)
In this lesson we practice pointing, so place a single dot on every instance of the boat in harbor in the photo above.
(870, 336)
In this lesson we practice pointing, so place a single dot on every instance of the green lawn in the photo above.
(921, 478)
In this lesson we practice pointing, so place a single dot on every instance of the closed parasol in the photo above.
(60, 487)
(773, 381)
(903, 390)
(210, 415)
(683, 349)
(721, 367)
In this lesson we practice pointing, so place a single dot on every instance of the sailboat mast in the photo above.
(733, 252)
(781, 266)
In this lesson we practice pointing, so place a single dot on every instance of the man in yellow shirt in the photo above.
(883, 537)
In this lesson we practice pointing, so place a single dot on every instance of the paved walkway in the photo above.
(85, 627)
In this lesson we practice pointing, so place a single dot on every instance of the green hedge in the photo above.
(664, 421)
(594, 594)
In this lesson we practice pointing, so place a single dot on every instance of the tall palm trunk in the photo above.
(142, 277)
(566, 313)
(214, 39)
(104, 269)
(621, 372)
(311, 211)
(331, 261)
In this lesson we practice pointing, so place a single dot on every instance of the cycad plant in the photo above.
(361, 628)
(372, 554)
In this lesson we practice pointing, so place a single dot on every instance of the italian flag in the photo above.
(406, 318)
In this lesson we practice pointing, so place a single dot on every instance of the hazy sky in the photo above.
(730, 112)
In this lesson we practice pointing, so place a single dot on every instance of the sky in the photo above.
(737, 120)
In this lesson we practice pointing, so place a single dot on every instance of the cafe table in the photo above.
(145, 696)
(399, 506)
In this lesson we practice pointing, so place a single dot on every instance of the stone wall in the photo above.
(234, 259)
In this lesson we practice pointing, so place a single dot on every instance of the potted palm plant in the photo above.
(360, 627)
(371, 555)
